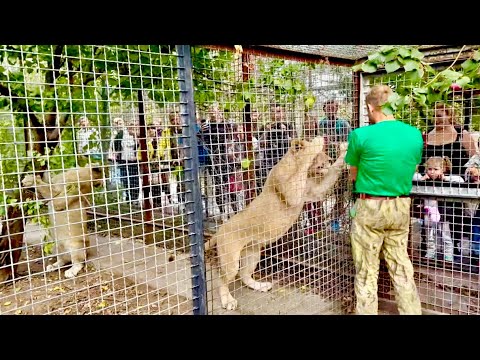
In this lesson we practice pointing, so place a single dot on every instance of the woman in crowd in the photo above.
(449, 138)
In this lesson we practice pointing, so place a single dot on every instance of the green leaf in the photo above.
(48, 248)
(385, 49)
(420, 90)
(464, 80)
(438, 85)
(357, 67)
(404, 52)
(299, 86)
(416, 54)
(470, 65)
(476, 55)
(387, 109)
(309, 102)
(421, 99)
(391, 55)
(376, 58)
(411, 65)
(392, 66)
(413, 75)
(433, 97)
(288, 84)
(394, 98)
(421, 72)
(369, 67)
(450, 74)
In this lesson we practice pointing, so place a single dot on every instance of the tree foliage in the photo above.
(45, 88)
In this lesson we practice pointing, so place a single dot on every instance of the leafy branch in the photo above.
(421, 85)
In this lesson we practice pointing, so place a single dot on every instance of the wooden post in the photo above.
(249, 175)
(144, 171)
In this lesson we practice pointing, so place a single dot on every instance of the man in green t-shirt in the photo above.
(383, 157)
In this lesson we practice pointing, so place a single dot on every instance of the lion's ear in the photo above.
(297, 145)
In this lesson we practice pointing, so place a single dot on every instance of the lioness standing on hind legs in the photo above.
(68, 213)
(288, 186)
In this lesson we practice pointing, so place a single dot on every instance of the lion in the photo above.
(304, 174)
(68, 213)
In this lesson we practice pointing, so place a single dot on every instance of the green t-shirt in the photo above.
(386, 155)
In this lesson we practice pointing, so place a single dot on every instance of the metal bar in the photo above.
(193, 195)
(446, 191)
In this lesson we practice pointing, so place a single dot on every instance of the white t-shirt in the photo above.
(129, 152)
(88, 141)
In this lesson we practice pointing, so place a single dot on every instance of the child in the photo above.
(436, 167)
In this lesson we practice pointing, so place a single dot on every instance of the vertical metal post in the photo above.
(192, 184)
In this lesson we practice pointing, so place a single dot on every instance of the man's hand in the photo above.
(343, 146)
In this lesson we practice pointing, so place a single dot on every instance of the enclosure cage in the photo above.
(130, 158)
(444, 234)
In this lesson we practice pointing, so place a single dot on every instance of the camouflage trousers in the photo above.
(383, 226)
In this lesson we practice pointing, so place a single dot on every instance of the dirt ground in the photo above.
(94, 291)
(116, 280)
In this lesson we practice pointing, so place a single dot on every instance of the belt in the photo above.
(373, 197)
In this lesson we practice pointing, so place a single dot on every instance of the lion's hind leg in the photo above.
(249, 259)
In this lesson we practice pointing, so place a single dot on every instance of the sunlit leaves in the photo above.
(464, 80)
(369, 67)
(450, 74)
(416, 54)
(404, 52)
(411, 65)
(392, 66)
(309, 102)
(421, 81)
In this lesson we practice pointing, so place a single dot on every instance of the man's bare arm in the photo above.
(353, 173)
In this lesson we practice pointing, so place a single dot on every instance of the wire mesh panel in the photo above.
(445, 195)
(270, 251)
(117, 161)
(93, 192)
